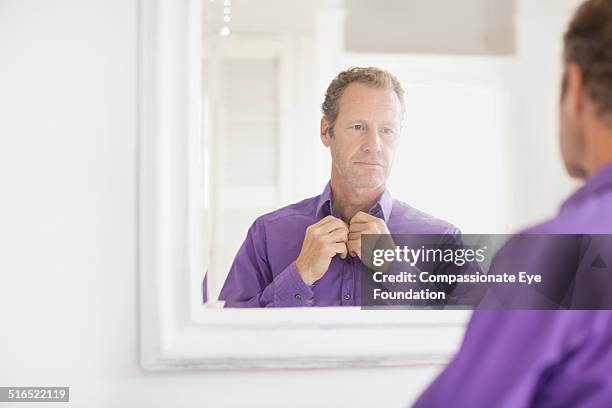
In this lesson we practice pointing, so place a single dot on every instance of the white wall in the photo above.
(68, 294)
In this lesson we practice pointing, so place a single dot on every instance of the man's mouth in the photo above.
(368, 163)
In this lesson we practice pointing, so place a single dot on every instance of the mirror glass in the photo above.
(267, 66)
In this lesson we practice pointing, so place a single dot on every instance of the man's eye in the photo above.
(388, 131)
(358, 127)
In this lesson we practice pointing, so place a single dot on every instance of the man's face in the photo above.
(364, 135)
(571, 135)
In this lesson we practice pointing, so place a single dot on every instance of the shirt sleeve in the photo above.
(520, 358)
(582, 376)
(250, 282)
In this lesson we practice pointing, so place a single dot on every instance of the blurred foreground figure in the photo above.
(529, 358)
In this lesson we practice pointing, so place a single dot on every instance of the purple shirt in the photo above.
(528, 358)
(264, 274)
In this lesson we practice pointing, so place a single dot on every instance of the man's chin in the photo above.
(368, 182)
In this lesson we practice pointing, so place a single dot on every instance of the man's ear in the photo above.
(574, 92)
(325, 132)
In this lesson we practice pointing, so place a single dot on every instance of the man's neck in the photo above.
(600, 153)
(348, 200)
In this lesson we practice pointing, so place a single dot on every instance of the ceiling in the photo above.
(479, 27)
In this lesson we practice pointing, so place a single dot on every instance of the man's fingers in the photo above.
(339, 235)
(353, 246)
(344, 252)
(362, 217)
(325, 220)
(352, 252)
(340, 248)
(327, 225)
(360, 227)
(335, 224)
(354, 235)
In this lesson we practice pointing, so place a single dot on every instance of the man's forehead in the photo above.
(362, 99)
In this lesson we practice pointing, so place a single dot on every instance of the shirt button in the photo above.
(298, 296)
(347, 296)
(348, 260)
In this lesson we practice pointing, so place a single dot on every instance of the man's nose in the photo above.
(373, 141)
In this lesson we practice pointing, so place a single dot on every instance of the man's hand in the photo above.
(363, 223)
(322, 242)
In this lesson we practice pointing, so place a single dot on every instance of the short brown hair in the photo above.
(370, 76)
(588, 43)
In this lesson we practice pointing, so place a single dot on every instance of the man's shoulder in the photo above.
(592, 216)
(406, 219)
(305, 208)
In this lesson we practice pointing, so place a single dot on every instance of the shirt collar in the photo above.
(601, 180)
(382, 208)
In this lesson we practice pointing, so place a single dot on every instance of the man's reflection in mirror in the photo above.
(309, 253)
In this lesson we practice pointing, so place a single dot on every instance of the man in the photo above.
(553, 358)
(309, 253)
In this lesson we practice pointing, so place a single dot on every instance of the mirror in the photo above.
(267, 66)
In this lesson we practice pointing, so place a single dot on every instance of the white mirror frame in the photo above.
(177, 331)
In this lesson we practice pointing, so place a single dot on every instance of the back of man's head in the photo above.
(588, 44)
